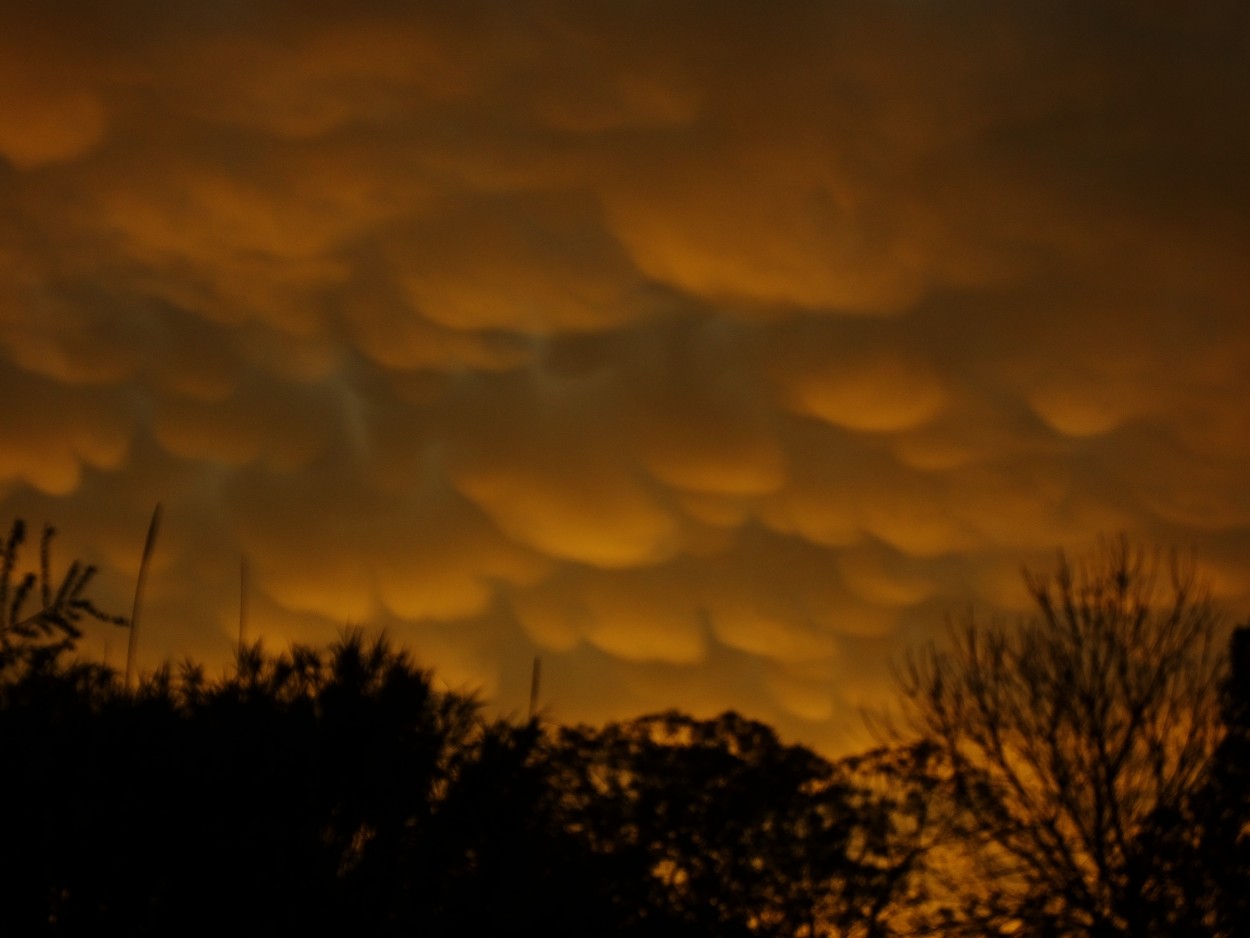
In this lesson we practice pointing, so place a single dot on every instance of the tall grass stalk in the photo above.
(242, 608)
(535, 677)
(148, 545)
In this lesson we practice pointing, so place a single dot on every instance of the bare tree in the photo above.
(1060, 739)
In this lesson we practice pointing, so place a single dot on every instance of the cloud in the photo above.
(714, 353)
(52, 433)
(50, 111)
(879, 393)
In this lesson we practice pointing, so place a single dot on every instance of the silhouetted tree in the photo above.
(893, 805)
(506, 862)
(718, 828)
(1205, 841)
(1061, 740)
(1221, 812)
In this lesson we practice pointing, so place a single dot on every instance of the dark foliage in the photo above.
(1222, 810)
(336, 791)
(721, 829)
(1205, 841)
(257, 804)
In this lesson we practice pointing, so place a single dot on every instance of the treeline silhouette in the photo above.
(335, 790)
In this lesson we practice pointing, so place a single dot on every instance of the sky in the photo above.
(715, 353)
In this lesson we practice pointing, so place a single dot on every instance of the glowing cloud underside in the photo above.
(711, 352)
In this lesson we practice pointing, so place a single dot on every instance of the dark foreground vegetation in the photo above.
(1083, 773)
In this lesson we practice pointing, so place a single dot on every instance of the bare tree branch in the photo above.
(1063, 736)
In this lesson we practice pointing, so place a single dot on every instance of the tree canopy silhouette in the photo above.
(724, 830)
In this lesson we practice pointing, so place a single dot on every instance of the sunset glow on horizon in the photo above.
(714, 353)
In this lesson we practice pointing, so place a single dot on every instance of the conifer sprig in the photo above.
(56, 624)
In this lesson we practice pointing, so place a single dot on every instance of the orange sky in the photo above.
(713, 351)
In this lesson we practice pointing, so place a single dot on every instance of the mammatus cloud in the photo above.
(713, 354)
